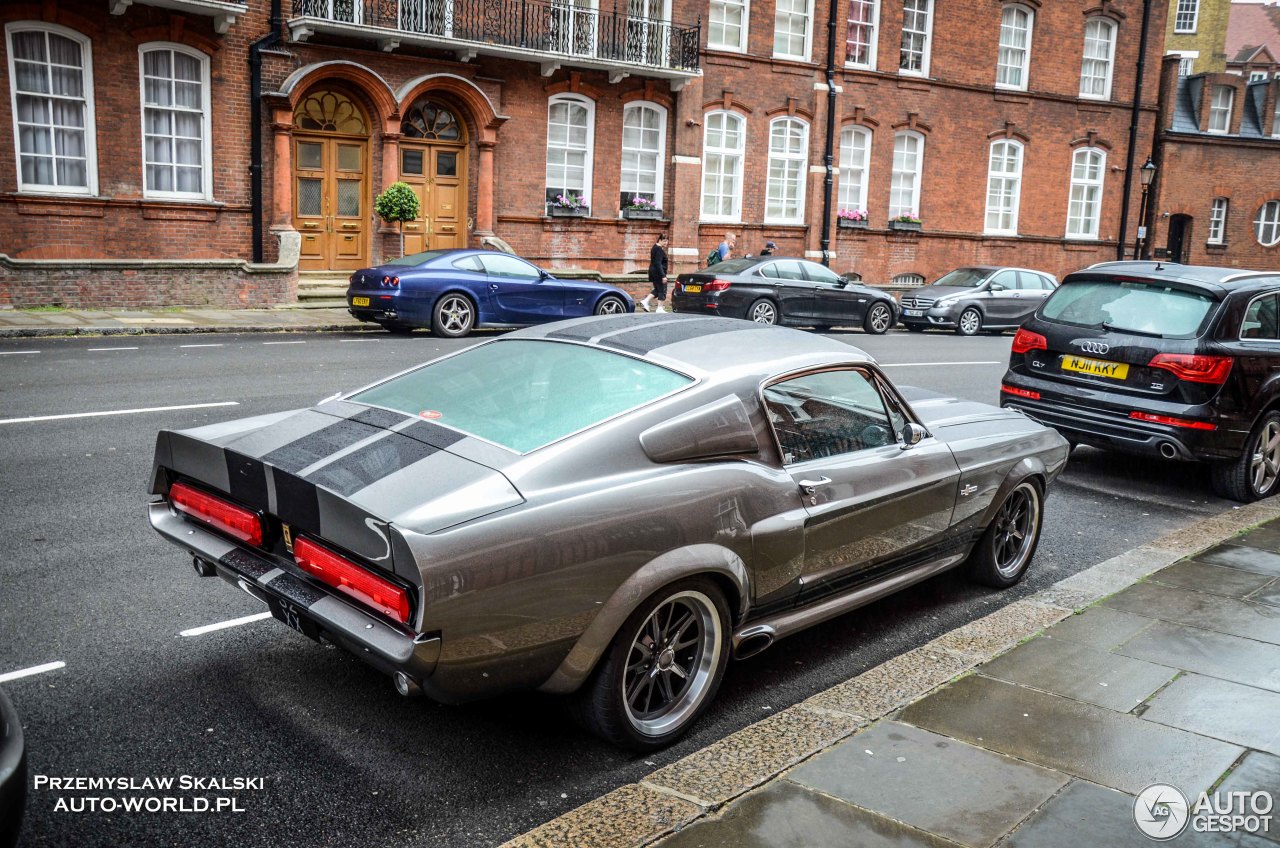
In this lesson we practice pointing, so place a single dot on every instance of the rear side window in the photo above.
(469, 263)
(1148, 308)
(1260, 319)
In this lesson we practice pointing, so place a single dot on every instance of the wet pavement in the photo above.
(35, 323)
(1173, 679)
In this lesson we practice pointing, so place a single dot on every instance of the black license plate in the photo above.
(294, 616)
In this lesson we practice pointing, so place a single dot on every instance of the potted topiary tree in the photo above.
(397, 204)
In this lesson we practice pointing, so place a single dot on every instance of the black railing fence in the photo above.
(554, 27)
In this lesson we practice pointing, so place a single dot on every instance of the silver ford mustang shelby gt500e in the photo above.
(607, 508)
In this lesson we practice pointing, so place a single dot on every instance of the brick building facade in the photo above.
(1003, 127)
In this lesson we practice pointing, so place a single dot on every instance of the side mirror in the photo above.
(912, 434)
(995, 287)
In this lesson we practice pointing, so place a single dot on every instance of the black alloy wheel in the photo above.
(1255, 473)
(1002, 555)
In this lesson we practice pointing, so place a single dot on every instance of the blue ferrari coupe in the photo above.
(452, 291)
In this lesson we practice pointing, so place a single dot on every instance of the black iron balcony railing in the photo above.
(571, 28)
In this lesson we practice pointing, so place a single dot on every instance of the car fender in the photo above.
(1027, 467)
(482, 303)
(661, 571)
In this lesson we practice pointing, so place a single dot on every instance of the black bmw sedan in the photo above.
(778, 290)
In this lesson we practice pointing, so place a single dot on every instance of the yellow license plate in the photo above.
(359, 301)
(692, 289)
(1095, 367)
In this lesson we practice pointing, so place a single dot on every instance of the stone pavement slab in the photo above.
(1244, 661)
(1258, 772)
(1221, 710)
(1266, 537)
(1244, 558)
(1214, 579)
(1196, 609)
(784, 815)
(1097, 744)
(1100, 627)
(1081, 672)
(930, 782)
(1269, 594)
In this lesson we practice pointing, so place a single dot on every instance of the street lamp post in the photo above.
(1147, 173)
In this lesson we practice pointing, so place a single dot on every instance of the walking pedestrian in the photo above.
(721, 253)
(769, 248)
(657, 275)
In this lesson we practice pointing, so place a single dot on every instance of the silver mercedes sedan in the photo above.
(607, 508)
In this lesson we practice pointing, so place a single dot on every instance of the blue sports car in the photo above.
(452, 291)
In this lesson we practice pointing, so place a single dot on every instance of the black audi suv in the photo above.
(1175, 361)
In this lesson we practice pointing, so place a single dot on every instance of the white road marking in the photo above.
(936, 364)
(95, 349)
(16, 352)
(117, 412)
(266, 343)
(202, 345)
(223, 625)
(28, 672)
(359, 340)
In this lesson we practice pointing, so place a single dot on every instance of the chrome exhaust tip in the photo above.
(203, 567)
(752, 641)
(406, 686)
(1168, 451)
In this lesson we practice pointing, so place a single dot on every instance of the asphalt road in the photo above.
(345, 761)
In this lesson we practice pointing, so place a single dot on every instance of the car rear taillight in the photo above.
(1172, 422)
(391, 282)
(716, 285)
(235, 521)
(1025, 340)
(1193, 368)
(1017, 392)
(351, 579)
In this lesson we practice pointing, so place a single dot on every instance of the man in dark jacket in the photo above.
(657, 275)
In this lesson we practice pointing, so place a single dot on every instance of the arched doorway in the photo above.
(433, 161)
(331, 181)
(1179, 238)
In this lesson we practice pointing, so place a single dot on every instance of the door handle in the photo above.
(810, 485)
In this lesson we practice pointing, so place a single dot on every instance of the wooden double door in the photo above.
(331, 201)
(437, 172)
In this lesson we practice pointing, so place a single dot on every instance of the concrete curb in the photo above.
(701, 783)
(57, 332)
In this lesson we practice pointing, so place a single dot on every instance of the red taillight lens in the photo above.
(235, 521)
(716, 285)
(1172, 422)
(395, 282)
(1194, 369)
(350, 579)
(1025, 340)
(1017, 392)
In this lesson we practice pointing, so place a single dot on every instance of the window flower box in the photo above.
(567, 211)
(906, 224)
(642, 214)
(852, 224)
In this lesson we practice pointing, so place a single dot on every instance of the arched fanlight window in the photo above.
(330, 111)
(432, 121)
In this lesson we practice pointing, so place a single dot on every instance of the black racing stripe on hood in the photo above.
(247, 480)
(297, 503)
(351, 473)
(383, 419)
(321, 444)
(432, 434)
(643, 340)
(590, 329)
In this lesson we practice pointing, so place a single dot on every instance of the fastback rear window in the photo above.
(414, 259)
(1149, 308)
(524, 394)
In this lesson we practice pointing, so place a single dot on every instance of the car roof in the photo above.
(701, 345)
(1205, 276)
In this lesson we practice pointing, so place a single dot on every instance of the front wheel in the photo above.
(1255, 473)
(879, 319)
(611, 306)
(662, 670)
(1005, 549)
(970, 323)
(763, 312)
(453, 316)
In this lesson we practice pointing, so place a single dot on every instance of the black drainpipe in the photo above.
(255, 124)
(1133, 130)
(828, 156)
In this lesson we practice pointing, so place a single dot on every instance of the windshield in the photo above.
(525, 394)
(416, 258)
(964, 278)
(1137, 307)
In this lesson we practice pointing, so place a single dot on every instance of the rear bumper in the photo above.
(318, 613)
(13, 774)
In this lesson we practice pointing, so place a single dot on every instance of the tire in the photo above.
(969, 323)
(1255, 474)
(914, 328)
(763, 312)
(603, 707)
(453, 316)
(396, 328)
(879, 319)
(610, 305)
(1005, 550)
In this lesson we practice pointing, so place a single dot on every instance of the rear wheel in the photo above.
(878, 320)
(1255, 474)
(1005, 549)
(662, 670)
(453, 316)
(611, 305)
(763, 312)
(970, 323)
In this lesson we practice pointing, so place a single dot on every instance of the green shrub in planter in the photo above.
(397, 204)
